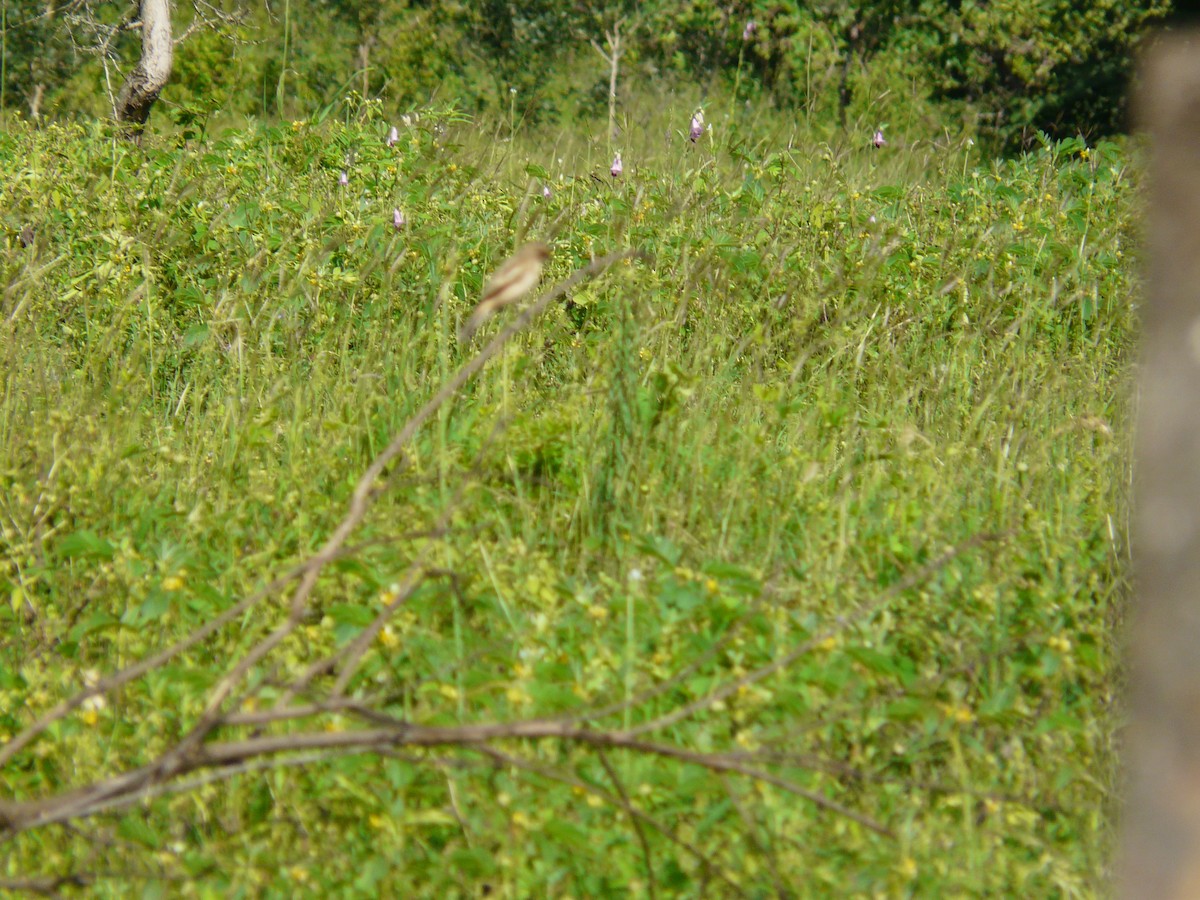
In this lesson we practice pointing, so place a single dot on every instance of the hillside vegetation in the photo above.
(831, 485)
(1003, 70)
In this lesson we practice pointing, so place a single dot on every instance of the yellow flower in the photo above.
(907, 867)
(172, 584)
(959, 713)
(746, 740)
(388, 637)
(517, 695)
(92, 706)
(1059, 643)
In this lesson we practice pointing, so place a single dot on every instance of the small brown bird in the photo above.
(509, 283)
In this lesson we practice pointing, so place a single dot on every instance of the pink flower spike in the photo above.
(748, 31)
(393, 136)
(343, 178)
(545, 192)
(879, 139)
(617, 168)
(697, 130)
(871, 220)
(398, 220)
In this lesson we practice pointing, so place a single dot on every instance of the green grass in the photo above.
(838, 364)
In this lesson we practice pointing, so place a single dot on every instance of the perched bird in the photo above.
(510, 282)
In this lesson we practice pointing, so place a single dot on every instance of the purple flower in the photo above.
(878, 140)
(617, 168)
(872, 219)
(697, 130)
(343, 178)
(545, 192)
(393, 136)
(748, 31)
(398, 220)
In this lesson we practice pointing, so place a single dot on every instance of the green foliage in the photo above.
(37, 55)
(1056, 66)
(1005, 70)
(836, 365)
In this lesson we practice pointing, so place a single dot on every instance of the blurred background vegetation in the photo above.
(1000, 70)
(841, 362)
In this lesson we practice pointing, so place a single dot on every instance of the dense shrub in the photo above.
(1050, 65)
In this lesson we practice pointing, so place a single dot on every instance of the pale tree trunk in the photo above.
(364, 63)
(613, 58)
(35, 101)
(150, 75)
(1161, 845)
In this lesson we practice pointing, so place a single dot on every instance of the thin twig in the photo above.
(627, 805)
(669, 833)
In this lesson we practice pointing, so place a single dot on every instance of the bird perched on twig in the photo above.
(512, 281)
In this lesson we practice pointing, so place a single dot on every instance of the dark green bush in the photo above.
(1025, 66)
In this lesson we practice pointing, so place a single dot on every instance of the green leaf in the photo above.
(568, 833)
(906, 709)
(355, 614)
(135, 828)
(85, 545)
(93, 623)
(734, 578)
(872, 660)
(662, 548)
(682, 596)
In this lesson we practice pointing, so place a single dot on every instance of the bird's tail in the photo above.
(477, 318)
